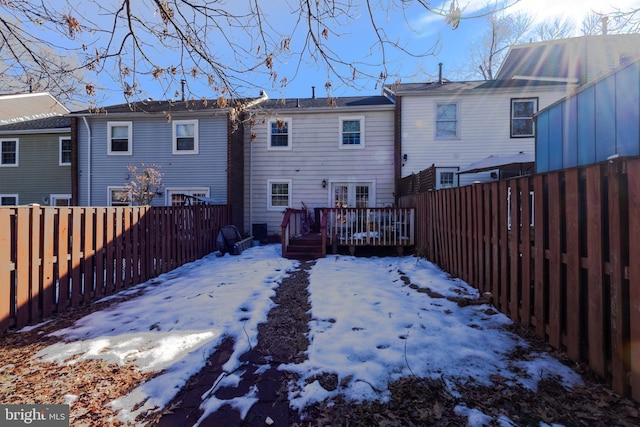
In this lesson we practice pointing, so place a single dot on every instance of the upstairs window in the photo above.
(65, 151)
(9, 154)
(447, 121)
(351, 132)
(279, 134)
(119, 139)
(185, 137)
(522, 111)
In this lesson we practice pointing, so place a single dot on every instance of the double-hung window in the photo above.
(279, 134)
(9, 153)
(278, 194)
(352, 132)
(522, 111)
(118, 196)
(119, 139)
(65, 151)
(447, 126)
(185, 137)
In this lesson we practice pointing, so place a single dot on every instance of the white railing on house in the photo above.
(370, 226)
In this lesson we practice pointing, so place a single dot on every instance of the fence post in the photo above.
(555, 285)
(595, 290)
(63, 258)
(6, 215)
(49, 280)
(89, 255)
(525, 258)
(540, 198)
(77, 292)
(35, 284)
(573, 235)
(633, 179)
(617, 227)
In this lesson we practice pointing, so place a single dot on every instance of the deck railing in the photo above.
(370, 226)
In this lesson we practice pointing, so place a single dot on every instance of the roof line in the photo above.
(547, 79)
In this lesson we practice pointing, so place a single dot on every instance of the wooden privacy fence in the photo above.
(54, 258)
(560, 252)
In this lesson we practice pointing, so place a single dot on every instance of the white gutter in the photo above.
(263, 97)
(84, 119)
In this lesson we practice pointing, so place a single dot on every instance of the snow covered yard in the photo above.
(374, 321)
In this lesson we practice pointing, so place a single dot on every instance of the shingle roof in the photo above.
(449, 88)
(29, 106)
(57, 122)
(164, 107)
(349, 101)
(157, 106)
(571, 58)
(543, 60)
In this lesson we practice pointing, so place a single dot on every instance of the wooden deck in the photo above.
(348, 227)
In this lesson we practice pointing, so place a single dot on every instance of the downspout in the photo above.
(84, 119)
(263, 97)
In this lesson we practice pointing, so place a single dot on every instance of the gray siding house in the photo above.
(197, 148)
(35, 162)
(323, 152)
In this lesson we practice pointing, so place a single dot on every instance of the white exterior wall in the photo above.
(484, 125)
(315, 156)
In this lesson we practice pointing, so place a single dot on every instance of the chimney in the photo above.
(313, 92)
(605, 20)
(440, 73)
(182, 83)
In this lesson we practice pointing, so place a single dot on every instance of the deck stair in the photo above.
(305, 246)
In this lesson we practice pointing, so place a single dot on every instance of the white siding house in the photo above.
(324, 155)
(453, 124)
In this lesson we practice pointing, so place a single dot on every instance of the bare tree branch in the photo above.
(228, 48)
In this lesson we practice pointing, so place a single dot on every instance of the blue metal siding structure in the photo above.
(600, 121)
(570, 145)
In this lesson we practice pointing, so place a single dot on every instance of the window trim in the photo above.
(53, 197)
(436, 121)
(536, 102)
(17, 163)
(60, 139)
(270, 183)
(196, 147)
(456, 178)
(129, 126)
(351, 184)
(111, 188)
(16, 196)
(168, 191)
(341, 144)
(289, 122)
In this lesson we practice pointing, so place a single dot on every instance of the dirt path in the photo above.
(282, 339)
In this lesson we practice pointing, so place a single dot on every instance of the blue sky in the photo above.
(415, 28)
